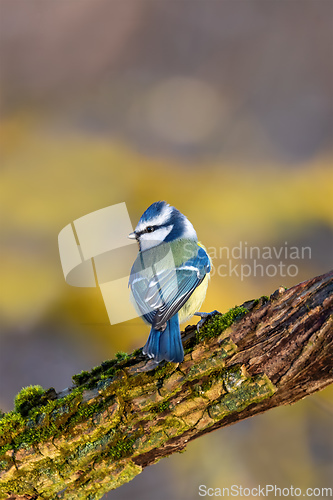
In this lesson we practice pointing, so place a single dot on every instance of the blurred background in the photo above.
(221, 108)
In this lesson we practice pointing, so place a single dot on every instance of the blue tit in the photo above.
(169, 278)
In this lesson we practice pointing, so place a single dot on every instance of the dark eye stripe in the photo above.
(149, 229)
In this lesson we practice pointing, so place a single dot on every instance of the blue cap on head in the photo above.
(162, 223)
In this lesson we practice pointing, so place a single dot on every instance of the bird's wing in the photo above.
(142, 273)
(169, 290)
(139, 285)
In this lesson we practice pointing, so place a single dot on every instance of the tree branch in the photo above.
(127, 413)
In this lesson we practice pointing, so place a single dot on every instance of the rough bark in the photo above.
(128, 413)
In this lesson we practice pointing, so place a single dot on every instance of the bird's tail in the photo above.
(166, 345)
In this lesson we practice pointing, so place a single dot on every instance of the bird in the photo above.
(169, 278)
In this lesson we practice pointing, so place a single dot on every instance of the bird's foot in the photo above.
(204, 316)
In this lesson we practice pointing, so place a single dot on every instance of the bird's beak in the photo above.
(132, 236)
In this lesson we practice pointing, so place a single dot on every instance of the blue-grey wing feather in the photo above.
(167, 291)
(139, 285)
(186, 279)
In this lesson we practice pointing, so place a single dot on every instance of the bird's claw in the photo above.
(204, 316)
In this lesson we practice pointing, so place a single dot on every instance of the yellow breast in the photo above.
(194, 302)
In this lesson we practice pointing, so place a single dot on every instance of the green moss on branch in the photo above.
(104, 417)
(128, 412)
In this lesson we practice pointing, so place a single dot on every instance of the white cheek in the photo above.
(149, 240)
(189, 231)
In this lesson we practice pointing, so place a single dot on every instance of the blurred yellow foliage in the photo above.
(50, 179)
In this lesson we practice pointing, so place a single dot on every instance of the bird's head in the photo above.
(161, 223)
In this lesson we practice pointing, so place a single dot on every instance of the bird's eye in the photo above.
(150, 229)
